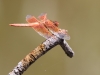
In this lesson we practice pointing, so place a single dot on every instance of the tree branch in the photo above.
(38, 52)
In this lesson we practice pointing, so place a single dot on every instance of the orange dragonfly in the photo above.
(47, 29)
(44, 27)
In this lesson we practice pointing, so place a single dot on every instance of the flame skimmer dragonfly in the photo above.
(47, 29)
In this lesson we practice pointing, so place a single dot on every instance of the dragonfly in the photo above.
(47, 28)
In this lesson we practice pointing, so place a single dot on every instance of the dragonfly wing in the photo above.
(40, 28)
(31, 19)
(42, 31)
(52, 26)
(43, 17)
(61, 33)
(49, 24)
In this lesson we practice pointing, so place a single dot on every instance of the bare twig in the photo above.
(35, 54)
(67, 49)
(38, 52)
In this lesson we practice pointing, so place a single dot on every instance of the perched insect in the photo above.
(44, 27)
(47, 29)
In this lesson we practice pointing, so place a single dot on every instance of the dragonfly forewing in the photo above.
(53, 27)
(40, 28)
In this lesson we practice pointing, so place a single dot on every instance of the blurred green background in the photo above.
(80, 17)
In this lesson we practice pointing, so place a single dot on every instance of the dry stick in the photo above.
(67, 49)
(35, 54)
